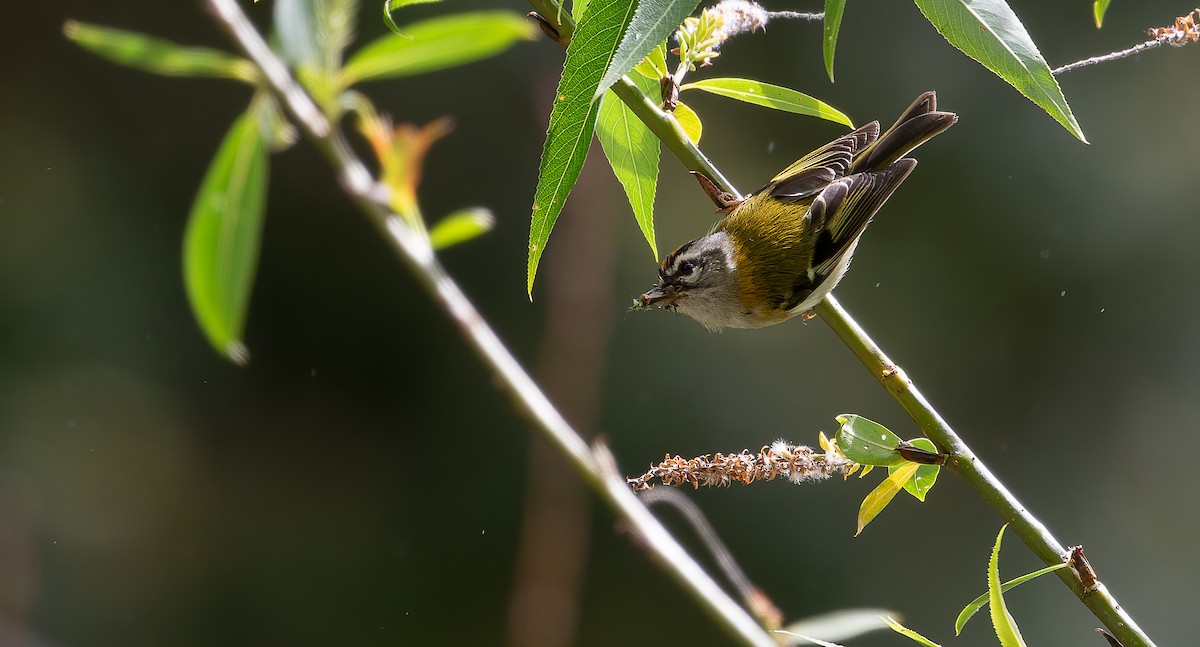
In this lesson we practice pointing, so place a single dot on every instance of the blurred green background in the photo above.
(362, 482)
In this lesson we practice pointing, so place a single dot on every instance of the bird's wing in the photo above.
(845, 207)
(809, 175)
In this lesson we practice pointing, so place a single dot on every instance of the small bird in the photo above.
(783, 248)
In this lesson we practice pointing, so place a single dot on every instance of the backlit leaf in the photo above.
(157, 55)
(882, 495)
(689, 121)
(1002, 621)
(436, 44)
(633, 153)
(769, 96)
(221, 243)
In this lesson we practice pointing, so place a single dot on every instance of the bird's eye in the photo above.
(686, 268)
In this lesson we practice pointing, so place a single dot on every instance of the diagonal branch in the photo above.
(596, 465)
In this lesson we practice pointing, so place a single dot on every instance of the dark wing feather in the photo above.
(809, 175)
(845, 208)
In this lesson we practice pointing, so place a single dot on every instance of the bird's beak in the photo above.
(659, 293)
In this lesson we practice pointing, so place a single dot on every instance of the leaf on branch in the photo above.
(989, 32)
(436, 44)
(769, 96)
(654, 66)
(910, 634)
(882, 495)
(633, 153)
(977, 604)
(689, 121)
(156, 55)
(833, 24)
(460, 227)
(653, 21)
(1002, 621)
(221, 244)
(865, 441)
(925, 476)
(573, 119)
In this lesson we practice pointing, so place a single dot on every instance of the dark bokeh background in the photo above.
(362, 482)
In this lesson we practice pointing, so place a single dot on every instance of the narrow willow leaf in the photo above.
(910, 634)
(221, 243)
(460, 227)
(689, 121)
(801, 639)
(845, 624)
(632, 152)
(1098, 9)
(882, 495)
(653, 21)
(989, 32)
(654, 66)
(573, 119)
(391, 5)
(925, 476)
(436, 44)
(1002, 621)
(977, 604)
(157, 55)
(833, 24)
(770, 96)
(865, 441)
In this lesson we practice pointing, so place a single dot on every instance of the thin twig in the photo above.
(963, 461)
(1125, 53)
(595, 465)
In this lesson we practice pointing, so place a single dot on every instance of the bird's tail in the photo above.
(917, 125)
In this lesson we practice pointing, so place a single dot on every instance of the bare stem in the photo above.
(594, 464)
(963, 461)
(1125, 53)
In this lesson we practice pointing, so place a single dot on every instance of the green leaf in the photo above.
(882, 495)
(910, 634)
(1098, 9)
(573, 118)
(843, 624)
(833, 24)
(801, 639)
(220, 246)
(689, 121)
(1002, 620)
(925, 476)
(865, 441)
(436, 44)
(157, 55)
(654, 66)
(632, 152)
(578, 8)
(460, 227)
(653, 21)
(977, 604)
(989, 32)
(391, 5)
(769, 96)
